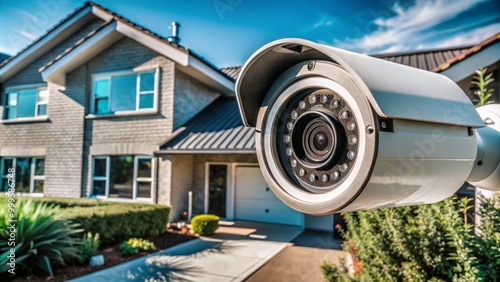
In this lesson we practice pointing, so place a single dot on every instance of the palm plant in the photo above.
(41, 241)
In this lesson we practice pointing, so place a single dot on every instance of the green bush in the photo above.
(114, 221)
(40, 240)
(421, 243)
(205, 224)
(118, 221)
(89, 246)
(134, 245)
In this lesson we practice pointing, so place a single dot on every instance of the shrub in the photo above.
(421, 243)
(134, 245)
(205, 224)
(117, 221)
(40, 240)
(89, 246)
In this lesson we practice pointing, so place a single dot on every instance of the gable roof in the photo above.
(428, 60)
(117, 27)
(469, 52)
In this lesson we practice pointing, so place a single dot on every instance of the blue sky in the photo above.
(227, 32)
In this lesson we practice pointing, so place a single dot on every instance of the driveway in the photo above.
(235, 252)
(301, 261)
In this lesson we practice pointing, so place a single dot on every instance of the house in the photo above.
(102, 107)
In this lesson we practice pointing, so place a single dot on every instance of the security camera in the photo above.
(338, 131)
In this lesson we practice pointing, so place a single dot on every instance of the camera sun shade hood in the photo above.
(413, 97)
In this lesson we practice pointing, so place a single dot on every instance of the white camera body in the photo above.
(338, 131)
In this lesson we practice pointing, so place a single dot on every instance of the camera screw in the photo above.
(383, 125)
(310, 65)
(370, 129)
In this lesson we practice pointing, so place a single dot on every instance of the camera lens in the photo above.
(315, 140)
(320, 141)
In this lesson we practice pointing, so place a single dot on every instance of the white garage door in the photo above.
(254, 201)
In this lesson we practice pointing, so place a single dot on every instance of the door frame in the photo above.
(230, 185)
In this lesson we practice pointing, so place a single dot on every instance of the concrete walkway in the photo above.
(235, 252)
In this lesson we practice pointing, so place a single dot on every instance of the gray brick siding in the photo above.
(61, 135)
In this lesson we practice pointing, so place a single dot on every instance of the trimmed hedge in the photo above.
(205, 224)
(118, 222)
(114, 221)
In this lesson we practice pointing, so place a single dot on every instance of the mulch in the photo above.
(112, 256)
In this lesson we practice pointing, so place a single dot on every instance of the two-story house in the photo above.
(101, 107)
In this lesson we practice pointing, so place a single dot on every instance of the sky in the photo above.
(227, 32)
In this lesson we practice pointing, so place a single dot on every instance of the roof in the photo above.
(3, 57)
(435, 60)
(61, 22)
(469, 52)
(138, 27)
(428, 60)
(217, 129)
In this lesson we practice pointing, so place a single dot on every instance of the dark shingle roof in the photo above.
(217, 129)
(426, 60)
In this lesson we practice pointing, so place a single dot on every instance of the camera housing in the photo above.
(338, 131)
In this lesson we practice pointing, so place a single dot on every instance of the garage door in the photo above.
(254, 201)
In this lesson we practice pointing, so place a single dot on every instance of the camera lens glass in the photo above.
(320, 141)
(317, 140)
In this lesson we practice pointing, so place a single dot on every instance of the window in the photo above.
(26, 103)
(30, 174)
(123, 177)
(126, 91)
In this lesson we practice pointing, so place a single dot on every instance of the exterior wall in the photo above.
(199, 171)
(61, 136)
(182, 183)
(127, 54)
(191, 96)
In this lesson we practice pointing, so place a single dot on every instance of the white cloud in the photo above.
(473, 36)
(410, 26)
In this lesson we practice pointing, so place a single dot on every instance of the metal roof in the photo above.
(216, 130)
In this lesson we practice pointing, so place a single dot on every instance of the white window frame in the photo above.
(138, 179)
(33, 177)
(108, 76)
(16, 89)
(135, 183)
(101, 178)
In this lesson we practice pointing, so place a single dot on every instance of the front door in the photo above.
(217, 189)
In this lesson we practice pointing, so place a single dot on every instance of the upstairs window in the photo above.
(26, 103)
(124, 92)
